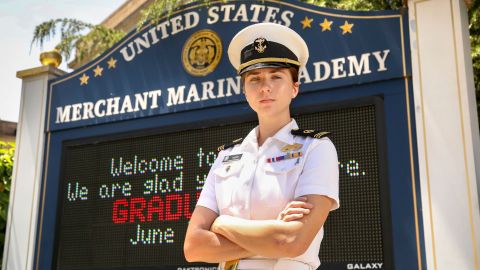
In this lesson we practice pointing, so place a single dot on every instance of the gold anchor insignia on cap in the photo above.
(260, 48)
(291, 147)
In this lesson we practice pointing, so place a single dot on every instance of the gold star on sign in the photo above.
(306, 23)
(98, 71)
(84, 79)
(346, 27)
(326, 25)
(112, 63)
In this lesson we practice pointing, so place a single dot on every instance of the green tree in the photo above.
(6, 168)
(357, 4)
(474, 27)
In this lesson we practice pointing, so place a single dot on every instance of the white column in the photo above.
(27, 169)
(447, 133)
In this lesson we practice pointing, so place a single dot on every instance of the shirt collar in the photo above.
(284, 134)
(251, 139)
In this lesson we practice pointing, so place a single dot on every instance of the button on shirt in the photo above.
(244, 183)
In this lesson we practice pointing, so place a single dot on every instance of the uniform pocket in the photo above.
(282, 177)
(227, 182)
(227, 170)
(283, 167)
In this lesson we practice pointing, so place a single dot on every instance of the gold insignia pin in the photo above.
(291, 147)
(231, 265)
(237, 140)
(320, 135)
(307, 131)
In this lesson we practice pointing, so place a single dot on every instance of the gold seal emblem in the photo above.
(202, 53)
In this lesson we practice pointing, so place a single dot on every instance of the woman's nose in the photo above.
(266, 87)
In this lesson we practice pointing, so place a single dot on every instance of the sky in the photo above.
(18, 19)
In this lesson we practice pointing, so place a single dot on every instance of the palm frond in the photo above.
(47, 30)
(73, 37)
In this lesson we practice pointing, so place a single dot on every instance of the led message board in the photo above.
(125, 202)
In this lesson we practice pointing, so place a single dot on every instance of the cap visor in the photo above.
(266, 65)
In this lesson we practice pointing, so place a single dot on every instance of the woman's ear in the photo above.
(296, 86)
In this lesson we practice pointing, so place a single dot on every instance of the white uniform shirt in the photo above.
(249, 187)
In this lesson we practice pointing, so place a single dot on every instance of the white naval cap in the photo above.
(264, 45)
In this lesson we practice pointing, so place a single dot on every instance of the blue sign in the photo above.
(181, 62)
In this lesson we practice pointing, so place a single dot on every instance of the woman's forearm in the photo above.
(276, 238)
(207, 246)
(269, 238)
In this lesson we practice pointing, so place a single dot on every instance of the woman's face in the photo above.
(269, 91)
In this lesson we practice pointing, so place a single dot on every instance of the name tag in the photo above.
(232, 158)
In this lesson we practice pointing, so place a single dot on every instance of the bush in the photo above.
(6, 168)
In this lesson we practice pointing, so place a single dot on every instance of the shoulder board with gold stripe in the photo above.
(309, 133)
(231, 144)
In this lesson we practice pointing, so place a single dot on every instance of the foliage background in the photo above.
(474, 26)
(6, 168)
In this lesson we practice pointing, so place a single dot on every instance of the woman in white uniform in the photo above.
(267, 196)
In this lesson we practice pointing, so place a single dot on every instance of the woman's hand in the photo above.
(295, 209)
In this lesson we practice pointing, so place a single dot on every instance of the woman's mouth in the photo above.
(267, 100)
